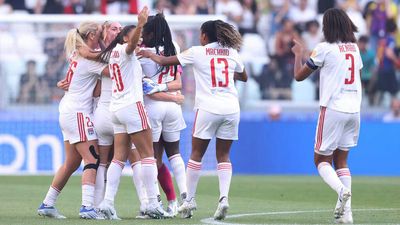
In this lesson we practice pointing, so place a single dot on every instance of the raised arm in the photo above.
(134, 38)
(301, 72)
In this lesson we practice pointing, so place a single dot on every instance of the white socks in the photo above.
(149, 176)
(138, 183)
(178, 168)
(51, 196)
(113, 178)
(345, 177)
(88, 195)
(224, 171)
(192, 178)
(100, 185)
(328, 174)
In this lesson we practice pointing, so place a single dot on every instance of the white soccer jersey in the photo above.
(126, 75)
(214, 67)
(340, 82)
(152, 69)
(82, 75)
(106, 87)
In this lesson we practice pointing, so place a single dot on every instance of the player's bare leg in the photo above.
(342, 170)
(328, 174)
(199, 147)
(89, 152)
(104, 152)
(70, 165)
(143, 142)
(224, 169)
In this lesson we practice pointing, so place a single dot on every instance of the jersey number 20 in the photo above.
(116, 72)
(224, 72)
(351, 68)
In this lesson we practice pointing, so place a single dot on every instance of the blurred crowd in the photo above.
(268, 28)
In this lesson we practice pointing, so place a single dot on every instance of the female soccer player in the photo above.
(129, 117)
(164, 113)
(216, 64)
(340, 100)
(76, 122)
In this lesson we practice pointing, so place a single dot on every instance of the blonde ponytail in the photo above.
(76, 37)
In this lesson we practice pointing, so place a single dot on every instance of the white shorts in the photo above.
(77, 127)
(208, 125)
(130, 119)
(104, 126)
(336, 130)
(165, 118)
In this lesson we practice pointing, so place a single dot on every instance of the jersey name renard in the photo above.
(126, 74)
(214, 67)
(340, 82)
(82, 75)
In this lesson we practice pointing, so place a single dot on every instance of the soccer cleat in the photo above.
(49, 211)
(222, 209)
(108, 210)
(172, 208)
(344, 196)
(155, 211)
(90, 213)
(142, 212)
(187, 207)
(346, 218)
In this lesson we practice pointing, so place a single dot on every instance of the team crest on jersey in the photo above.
(90, 131)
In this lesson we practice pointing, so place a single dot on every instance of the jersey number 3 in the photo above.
(224, 72)
(351, 68)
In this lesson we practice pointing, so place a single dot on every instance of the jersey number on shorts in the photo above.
(116, 72)
(351, 68)
(70, 71)
(224, 72)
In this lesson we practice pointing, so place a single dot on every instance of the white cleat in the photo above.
(90, 213)
(344, 196)
(49, 211)
(108, 210)
(346, 218)
(172, 208)
(187, 208)
(142, 212)
(155, 211)
(222, 209)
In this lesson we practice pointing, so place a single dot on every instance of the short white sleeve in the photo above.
(186, 57)
(318, 54)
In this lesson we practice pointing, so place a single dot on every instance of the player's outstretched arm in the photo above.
(301, 72)
(88, 54)
(161, 60)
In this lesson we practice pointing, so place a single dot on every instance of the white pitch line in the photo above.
(214, 222)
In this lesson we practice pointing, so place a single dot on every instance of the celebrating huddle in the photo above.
(120, 125)
(137, 75)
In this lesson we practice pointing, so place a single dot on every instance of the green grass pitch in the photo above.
(276, 199)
